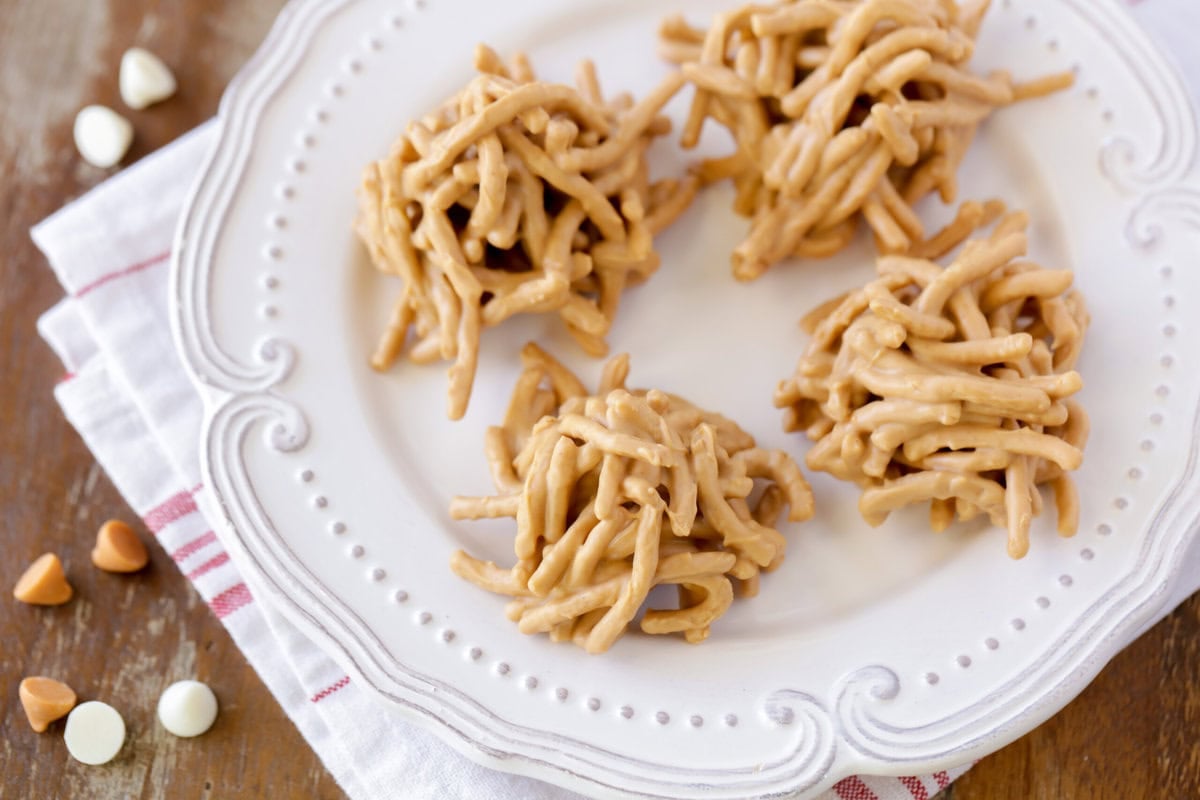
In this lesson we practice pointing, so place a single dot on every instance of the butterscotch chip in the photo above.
(44, 583)
(45, 700)
(118, 548)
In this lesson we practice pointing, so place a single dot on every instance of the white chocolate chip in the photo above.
(94, 733)
(144, 78)
(187, 708)
(102, 135)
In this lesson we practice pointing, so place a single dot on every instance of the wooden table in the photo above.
(124, 638)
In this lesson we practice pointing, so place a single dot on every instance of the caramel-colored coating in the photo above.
(516, 196)
(44, 583)
(620, 491)
(950, 385)
(118, 548)
(839, 112)
(45, 700)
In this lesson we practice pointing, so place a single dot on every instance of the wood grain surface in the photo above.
(1131, 735)
(124, 638)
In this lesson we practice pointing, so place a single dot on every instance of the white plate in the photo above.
(874, 651)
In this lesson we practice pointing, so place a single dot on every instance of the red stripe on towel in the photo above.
(230, 600)
(121, 273)
(340, 683)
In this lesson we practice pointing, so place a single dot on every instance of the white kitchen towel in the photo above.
(128, 395)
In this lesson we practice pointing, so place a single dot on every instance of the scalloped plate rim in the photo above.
(235, 124)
